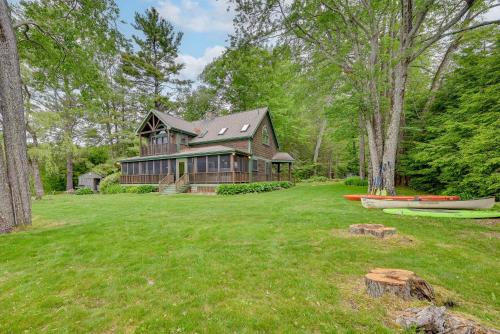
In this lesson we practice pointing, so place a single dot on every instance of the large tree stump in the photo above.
(378, 230)
(402, 283)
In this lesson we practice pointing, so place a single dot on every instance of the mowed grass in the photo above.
(276, 262)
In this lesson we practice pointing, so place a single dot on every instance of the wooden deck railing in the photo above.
(158, 149)
(165, 182)
(218, 177)
(141, 179)
(181, 182)
(202, 178)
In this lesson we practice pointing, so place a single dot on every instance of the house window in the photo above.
(265, 135)
(268, 169)
(222, 131)
(225, 163)
(255, 165)
(245, 127)
(201, 164)
(213, 163)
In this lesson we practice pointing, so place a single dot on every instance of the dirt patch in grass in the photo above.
(396, 240)
(488, 222)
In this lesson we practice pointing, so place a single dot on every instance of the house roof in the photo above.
(207, 130)
(176, 122)
(90, 175)
(282, 157)
(191, 152)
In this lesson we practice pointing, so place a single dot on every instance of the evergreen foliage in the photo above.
(457, 150)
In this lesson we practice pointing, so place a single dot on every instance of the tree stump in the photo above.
(378, 230)
(402, 283)
(433, 319)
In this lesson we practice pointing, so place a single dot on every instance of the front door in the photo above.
(181, 168)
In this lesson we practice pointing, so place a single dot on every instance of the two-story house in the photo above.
(197, 156)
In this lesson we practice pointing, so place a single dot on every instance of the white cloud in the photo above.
(194, 66)
(189, 15)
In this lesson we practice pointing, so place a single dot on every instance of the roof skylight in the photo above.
(245, 127)
(222, 131)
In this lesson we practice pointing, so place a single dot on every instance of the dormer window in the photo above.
(245, 127)
(222, 131)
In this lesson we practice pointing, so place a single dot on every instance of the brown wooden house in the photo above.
(197, 156)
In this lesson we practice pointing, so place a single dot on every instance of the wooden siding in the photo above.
(260, 149)
(240, 144)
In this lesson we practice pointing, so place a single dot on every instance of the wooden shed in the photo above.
(89, 180)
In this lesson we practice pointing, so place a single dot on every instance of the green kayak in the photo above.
(441, 213)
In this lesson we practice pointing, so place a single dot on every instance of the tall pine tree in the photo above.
(153, 67)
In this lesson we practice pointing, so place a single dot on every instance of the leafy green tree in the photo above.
(154, 68)
(457, 151)
(63, 45)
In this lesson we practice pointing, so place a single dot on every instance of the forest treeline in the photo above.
(333, 77)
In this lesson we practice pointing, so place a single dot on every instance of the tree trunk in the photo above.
(14, 127)
(362, 170)
(37, 180)
(321, 133)
(392, 135)
(69, 172)
(7, 220)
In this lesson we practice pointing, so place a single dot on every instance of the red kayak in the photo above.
(404, 198)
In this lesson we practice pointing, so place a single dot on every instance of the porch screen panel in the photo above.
(213, 163)
(157, 167)
(150, 166)
(244, 164)
(201, 164)
(190, 165)
(124, 168)
(164, 166)
(173, 164)
(225, 163)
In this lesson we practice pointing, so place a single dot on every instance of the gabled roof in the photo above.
(90, 175)
(171, 121)
(205, 131)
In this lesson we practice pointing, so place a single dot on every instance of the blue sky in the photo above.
(205, 24)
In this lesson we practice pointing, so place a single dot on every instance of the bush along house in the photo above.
(182, 156)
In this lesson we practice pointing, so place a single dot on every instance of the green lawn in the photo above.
(274, 262)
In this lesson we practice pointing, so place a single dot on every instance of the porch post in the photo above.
(250, 166)
(232, 166)
(140, 145)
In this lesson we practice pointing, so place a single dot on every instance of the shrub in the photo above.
(355, 181)
(316, 179)
(244, 188)
(110, 180)
(146, 188)
(113, 189)
(83, 191)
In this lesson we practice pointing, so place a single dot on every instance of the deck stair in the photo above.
(171, 188)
